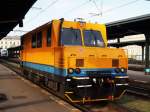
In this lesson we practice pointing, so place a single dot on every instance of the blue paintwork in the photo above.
(63, 72)
(111, 70)
(46, 68)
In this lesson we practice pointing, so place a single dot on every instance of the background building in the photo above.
(9, 41)
(133, 51)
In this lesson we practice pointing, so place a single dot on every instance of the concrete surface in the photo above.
(139, 76)
(23, 96)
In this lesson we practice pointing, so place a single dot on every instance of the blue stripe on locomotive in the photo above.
(46, 68)
(63, 72)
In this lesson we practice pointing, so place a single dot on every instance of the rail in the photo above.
(139, 89)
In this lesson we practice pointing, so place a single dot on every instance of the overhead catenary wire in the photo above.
(114, 8)
(99, 7)
(79, 6)
(102, 6)
(37, 15)
(22, 31)
(123, 5)
(99, 10)
(36, 8)
(48, 6)
(42, 11)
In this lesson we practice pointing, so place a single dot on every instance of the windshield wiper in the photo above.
(74, 32)
(95, 39)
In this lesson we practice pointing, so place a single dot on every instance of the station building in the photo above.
(9, 41)
(133, 51)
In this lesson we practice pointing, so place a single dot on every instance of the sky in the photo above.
(101, 11)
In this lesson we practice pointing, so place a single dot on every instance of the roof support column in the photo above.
(118, 41)
(147, 51)
(142, 53)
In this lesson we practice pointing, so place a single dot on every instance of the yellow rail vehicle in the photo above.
(72, 59)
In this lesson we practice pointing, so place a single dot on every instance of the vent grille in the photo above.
(99, 73)
(115, 63)
(79, 62)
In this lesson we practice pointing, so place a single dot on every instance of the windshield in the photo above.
(93, 38)
(70, 36)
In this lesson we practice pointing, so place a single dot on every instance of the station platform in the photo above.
(136, 67)
(138, 76)
(24, 96)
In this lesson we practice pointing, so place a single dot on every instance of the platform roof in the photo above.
(123, 44)
(130, 26)
(12, 12)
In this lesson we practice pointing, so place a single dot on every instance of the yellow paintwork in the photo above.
(65, 56)
(93, 57)
(83, 100)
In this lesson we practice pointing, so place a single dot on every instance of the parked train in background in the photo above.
(72, 59)
(3, 53)
(14, 52)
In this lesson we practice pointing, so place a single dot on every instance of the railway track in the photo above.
(99, 107)
(139, 89)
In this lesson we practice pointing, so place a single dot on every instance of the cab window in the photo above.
(34, 40)
(39, 39)
(93, 38)
(70, 36)
(49, 36)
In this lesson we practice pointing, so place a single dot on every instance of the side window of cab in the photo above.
(48, 36)
(37, 40)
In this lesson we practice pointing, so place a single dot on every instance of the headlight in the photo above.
(77, 70)
(123, 70)
(117, 70)
(70, 70)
